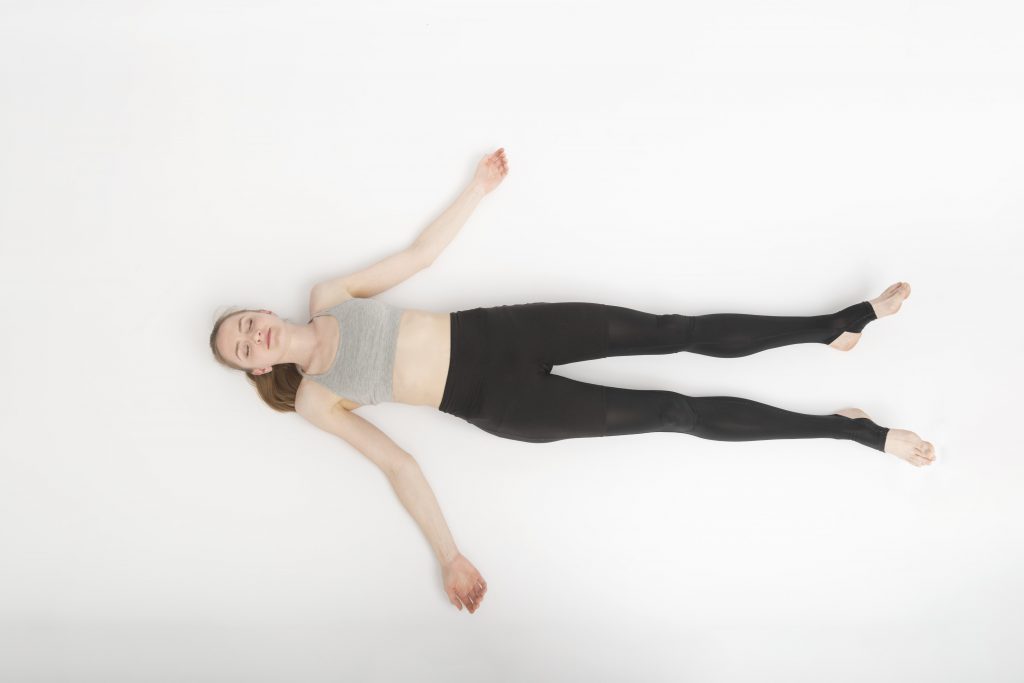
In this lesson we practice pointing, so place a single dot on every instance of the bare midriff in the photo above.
(421, 358)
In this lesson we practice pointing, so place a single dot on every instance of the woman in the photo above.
(492, 367)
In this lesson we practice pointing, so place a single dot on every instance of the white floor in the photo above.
(161, 161)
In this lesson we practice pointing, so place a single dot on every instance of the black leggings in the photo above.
(499, 376)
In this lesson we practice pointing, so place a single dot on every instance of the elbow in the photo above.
(425, 255)
(402, 467)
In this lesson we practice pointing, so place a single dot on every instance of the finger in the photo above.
(453, 597)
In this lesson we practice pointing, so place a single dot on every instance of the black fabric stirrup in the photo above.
(874, 435)
(853, 319)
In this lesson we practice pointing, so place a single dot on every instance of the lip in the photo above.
(268, 338)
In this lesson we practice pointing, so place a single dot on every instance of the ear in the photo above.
(262, 371)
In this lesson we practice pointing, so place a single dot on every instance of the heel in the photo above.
(852, 319)
(875, 438)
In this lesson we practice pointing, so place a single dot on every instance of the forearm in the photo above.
(436, 236)
(418, 498)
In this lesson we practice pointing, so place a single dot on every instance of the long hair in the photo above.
(277, 388)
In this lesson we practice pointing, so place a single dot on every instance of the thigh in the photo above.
(547, 408)
(540, 335)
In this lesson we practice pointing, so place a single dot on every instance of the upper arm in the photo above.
(380, 276)
(318, 406)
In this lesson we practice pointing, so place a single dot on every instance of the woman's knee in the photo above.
(632, 332)
(676, 413)
(638, 411)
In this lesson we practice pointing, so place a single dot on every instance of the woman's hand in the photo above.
(491, 170)
(463, 583)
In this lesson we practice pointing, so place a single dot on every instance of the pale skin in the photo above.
(259, 341)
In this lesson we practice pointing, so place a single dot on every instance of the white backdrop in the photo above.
(162, 160)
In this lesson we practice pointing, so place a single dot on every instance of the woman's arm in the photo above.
(418, 498)
(462, 582)
(489, 174)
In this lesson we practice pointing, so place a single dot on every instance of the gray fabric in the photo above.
(364, 363)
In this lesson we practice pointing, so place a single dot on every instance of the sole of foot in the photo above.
(902, 443)
(885, 304)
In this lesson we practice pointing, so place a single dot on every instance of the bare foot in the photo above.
(886, 303)
(889, 301)
(900, 442)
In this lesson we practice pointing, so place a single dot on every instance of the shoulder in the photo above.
(322, 297)
(313, 398)
(327, 413)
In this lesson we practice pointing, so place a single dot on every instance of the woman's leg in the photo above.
(544, 334)
(553, 407)
(726, 335)
(727, 418)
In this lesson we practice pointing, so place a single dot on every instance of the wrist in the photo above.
(476, 187)
(448, 555)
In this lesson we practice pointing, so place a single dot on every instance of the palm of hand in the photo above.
(463, 583)
(492, 170)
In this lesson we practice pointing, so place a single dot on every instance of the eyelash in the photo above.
(247, 328)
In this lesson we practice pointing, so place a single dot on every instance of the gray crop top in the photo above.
(365, 359)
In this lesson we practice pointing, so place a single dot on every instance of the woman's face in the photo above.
(250, 339)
